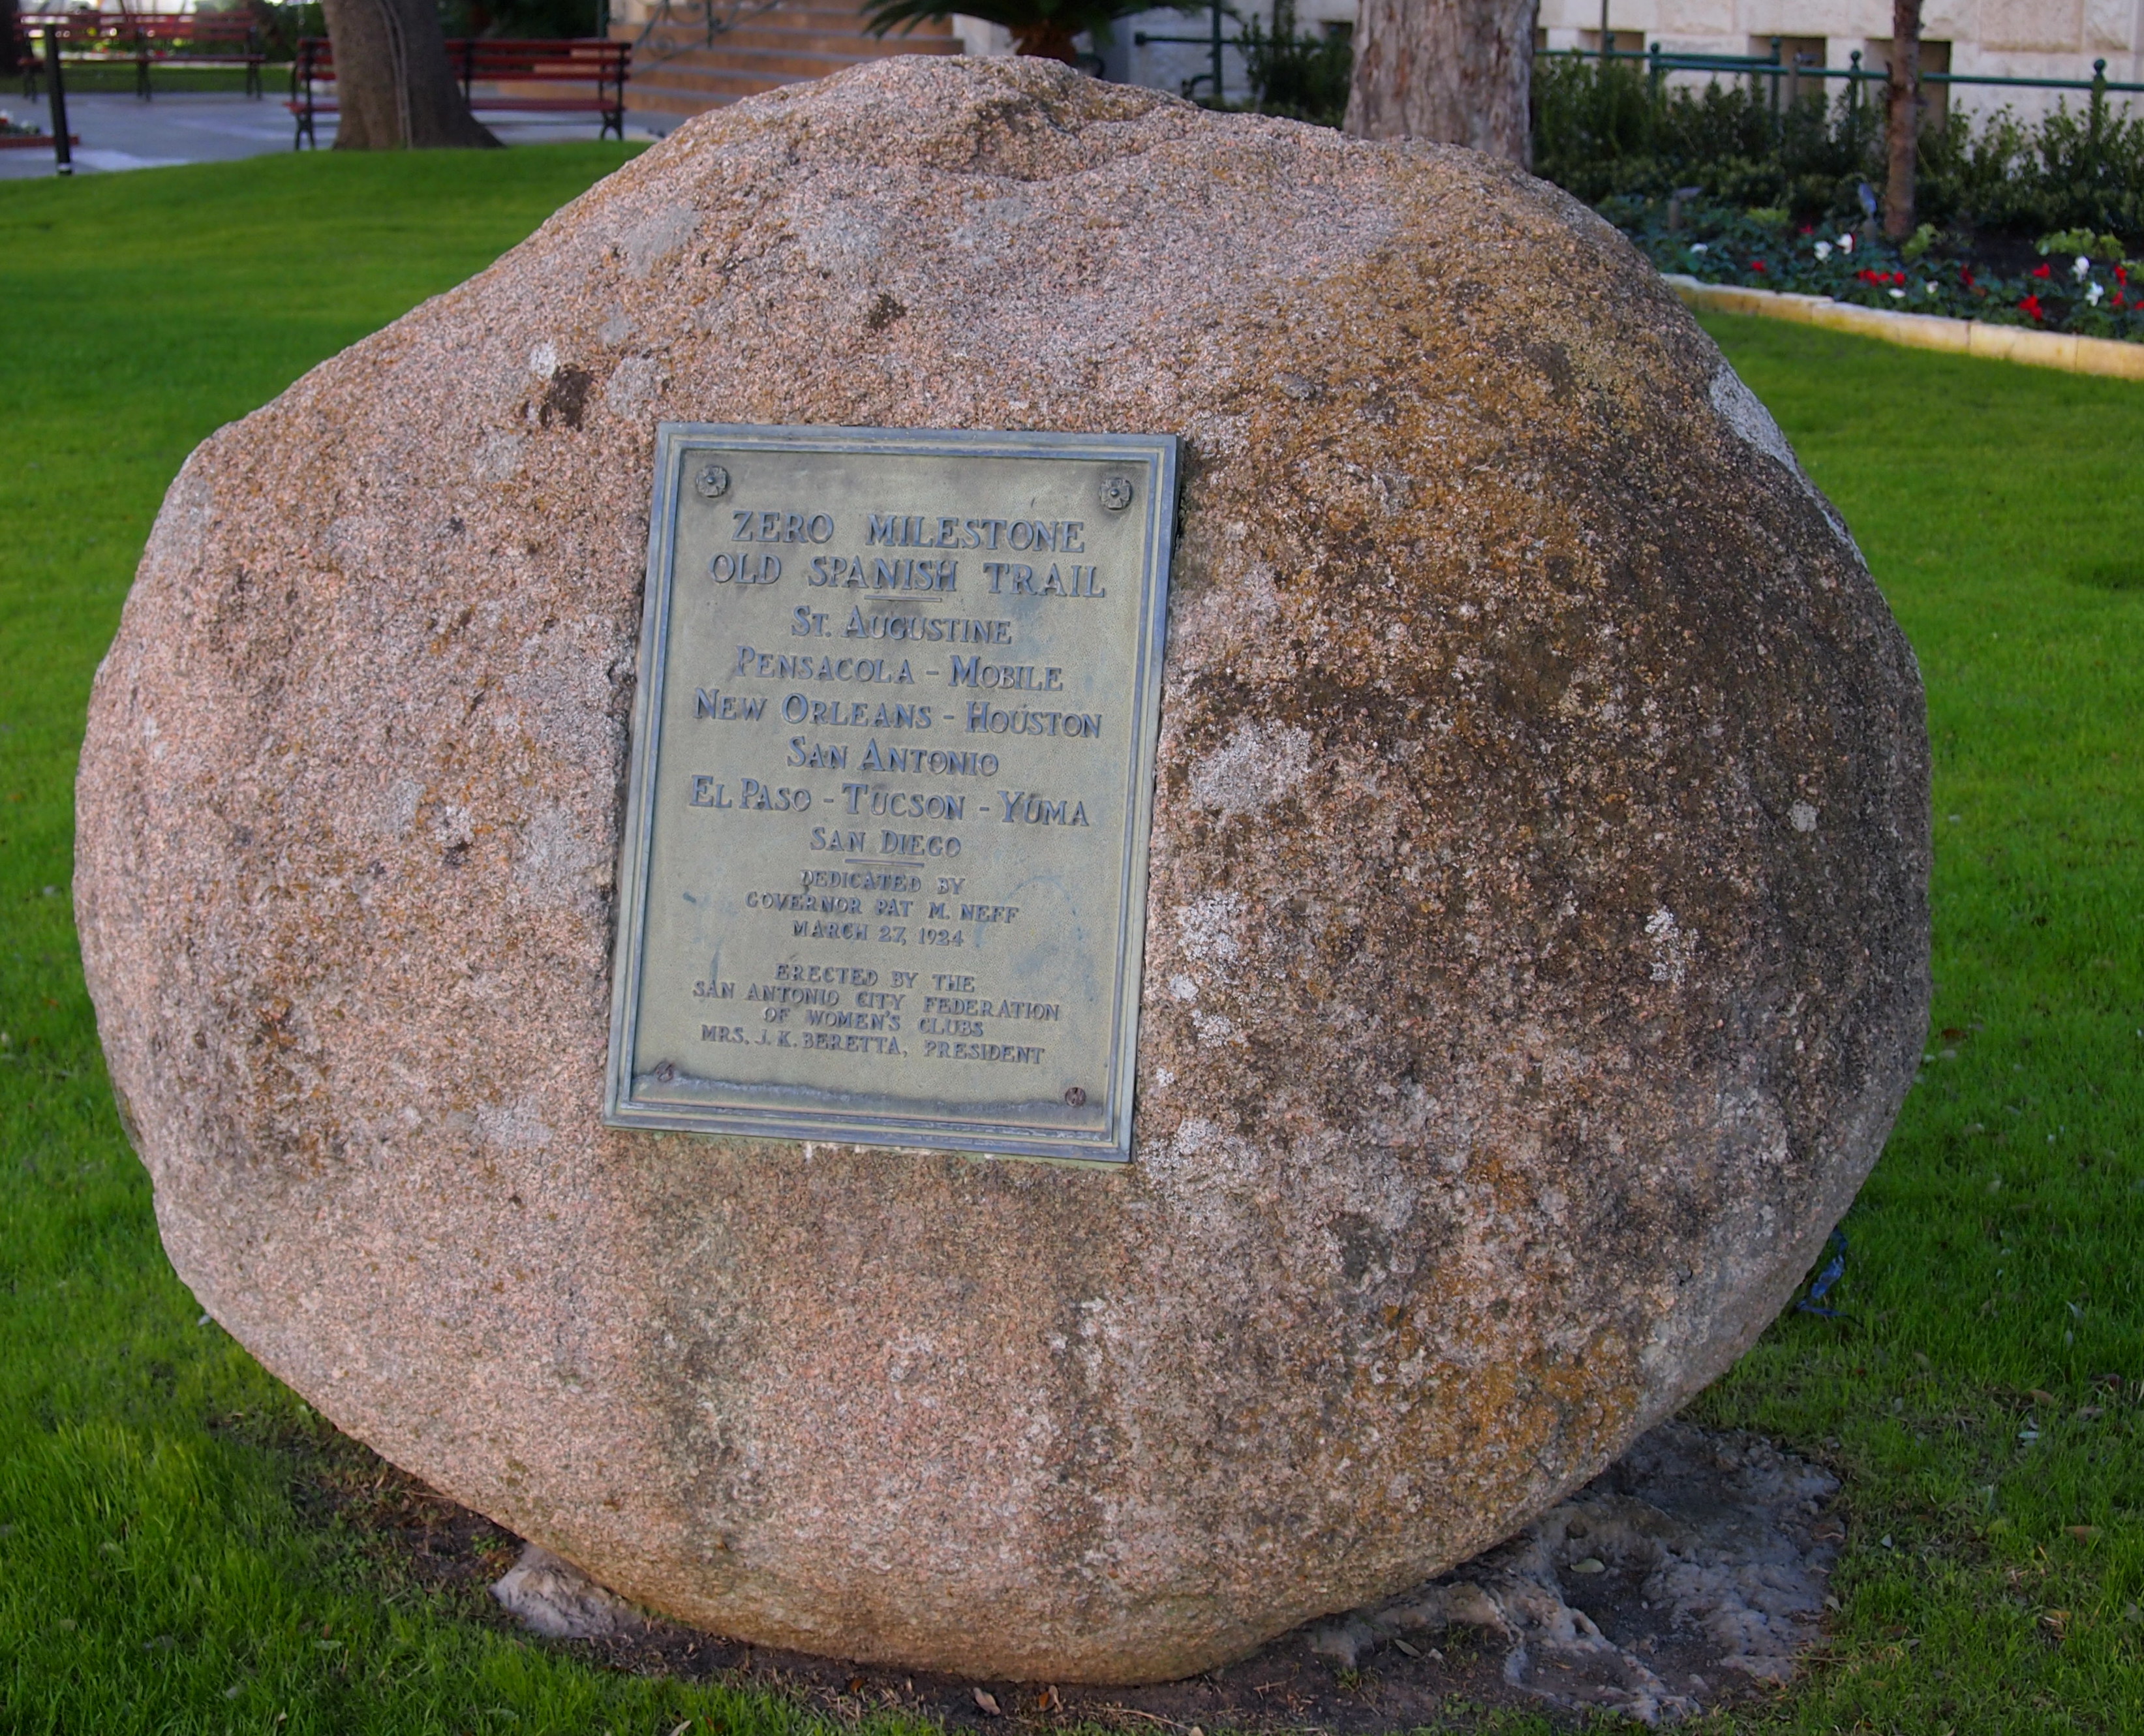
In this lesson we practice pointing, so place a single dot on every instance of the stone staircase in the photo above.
(677, 74)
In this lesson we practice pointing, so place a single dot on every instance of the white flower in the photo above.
(1898, 294)
(2081, 270)
(1698, 247)
(1823, 250)
(2094, 293)
(1846, 242)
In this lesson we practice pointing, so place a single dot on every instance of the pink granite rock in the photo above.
(1538, 934)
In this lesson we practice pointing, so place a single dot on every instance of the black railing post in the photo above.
(1216, 52)
(1654, 72)
(2098, 115)
(63, 146)
(301, 96)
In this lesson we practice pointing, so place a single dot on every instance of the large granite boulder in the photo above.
(1537, 933)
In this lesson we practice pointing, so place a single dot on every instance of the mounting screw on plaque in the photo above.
(1116, 493)
(1075, 1095)
(665, 1074)
(713, 482)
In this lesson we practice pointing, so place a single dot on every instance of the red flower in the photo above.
(2031, 304)
(2122, 274)
(1966, 272)
(1808, 229)
(1756, 265)
(1865, 275)
(2043, 271)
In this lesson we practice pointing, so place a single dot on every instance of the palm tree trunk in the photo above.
(1455, 70)
(1045, 39)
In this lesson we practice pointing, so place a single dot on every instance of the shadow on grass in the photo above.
(2122, 574)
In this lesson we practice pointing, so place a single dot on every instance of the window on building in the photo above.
(1796, 51)
(1622, 41)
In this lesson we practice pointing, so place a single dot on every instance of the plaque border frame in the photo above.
(676, 443)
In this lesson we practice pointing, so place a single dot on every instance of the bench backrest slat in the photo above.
(120, 30)
(600, 62)
(578, 60)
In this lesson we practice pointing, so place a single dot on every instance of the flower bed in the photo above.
(20, 136)
(2075, 282)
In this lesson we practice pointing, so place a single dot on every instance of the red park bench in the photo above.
(504, 66)
(146, 40)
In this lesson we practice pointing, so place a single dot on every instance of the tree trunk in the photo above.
(393, 88)
(1904, 130)
(1455, 71)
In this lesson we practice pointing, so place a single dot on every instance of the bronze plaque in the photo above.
(883, 874)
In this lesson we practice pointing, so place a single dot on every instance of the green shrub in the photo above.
(281, 26)
(1603, 131)
(1304, 78)
(2076, 170)
(539, 20)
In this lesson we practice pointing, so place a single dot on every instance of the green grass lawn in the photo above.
(161, 1567)
(119, 78)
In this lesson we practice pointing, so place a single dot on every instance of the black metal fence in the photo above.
(1783, 73)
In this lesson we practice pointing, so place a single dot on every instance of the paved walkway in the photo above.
(124, 133)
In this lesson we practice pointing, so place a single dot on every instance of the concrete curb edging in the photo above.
(2106, 356)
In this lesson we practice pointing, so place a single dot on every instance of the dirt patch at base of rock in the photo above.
(1691, 1575)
